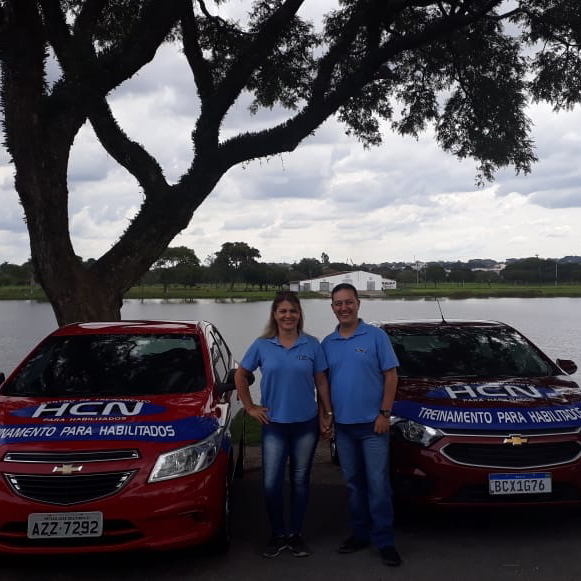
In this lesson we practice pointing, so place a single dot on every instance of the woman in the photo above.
(292, 365)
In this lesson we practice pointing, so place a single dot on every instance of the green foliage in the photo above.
(461, 275)
(12, 274)
(435, 273)
(538, 270)
(555, 27)
(308, 267)
(177, 256)
(235, 255)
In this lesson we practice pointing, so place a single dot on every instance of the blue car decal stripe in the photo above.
(187, 429)
(492, 390)
(90, 409)
(564, 416)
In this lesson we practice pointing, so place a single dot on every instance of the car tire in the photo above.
(220, 543)
(239, 468)
(333, 452)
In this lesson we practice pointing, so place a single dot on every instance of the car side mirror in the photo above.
(567, 365)
(229, 385)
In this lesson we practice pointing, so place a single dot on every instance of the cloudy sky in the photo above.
(403, 201)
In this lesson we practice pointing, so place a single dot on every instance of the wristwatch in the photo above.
(385, 413)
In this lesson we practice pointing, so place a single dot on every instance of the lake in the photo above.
(554, 324)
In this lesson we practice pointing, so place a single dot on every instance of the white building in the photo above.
(361, 280)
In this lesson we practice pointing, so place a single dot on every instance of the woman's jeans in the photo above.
(364, 458)
(295, 442)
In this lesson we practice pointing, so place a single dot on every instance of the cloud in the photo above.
(248, 222)
(15, 246)
(565, 198)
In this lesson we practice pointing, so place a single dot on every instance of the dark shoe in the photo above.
(390, 556)
(275, 546)
(297, 546)
(351, 545)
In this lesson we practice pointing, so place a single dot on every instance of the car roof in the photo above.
(133, 327)
(438, 323)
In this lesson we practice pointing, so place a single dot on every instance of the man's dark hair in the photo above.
(345, 286)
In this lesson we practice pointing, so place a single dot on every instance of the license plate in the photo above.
(536, 483)
(62, 525)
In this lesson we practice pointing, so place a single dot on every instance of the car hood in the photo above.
(158, 419)
(507, 403)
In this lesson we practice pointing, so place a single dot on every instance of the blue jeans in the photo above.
(364, 458)
(295, 442)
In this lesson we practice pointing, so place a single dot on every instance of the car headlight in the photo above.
(188, 460)
(415, 432)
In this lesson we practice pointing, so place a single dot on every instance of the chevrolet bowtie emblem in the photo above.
(516, 440)
(67, 469)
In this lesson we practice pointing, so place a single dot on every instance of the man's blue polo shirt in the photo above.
(287, 385)
(356, 366)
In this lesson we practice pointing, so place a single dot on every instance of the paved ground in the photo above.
(530, 545)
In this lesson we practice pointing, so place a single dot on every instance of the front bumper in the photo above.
(163, 515)
(455, 470)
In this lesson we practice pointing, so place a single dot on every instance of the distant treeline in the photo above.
(238, 263)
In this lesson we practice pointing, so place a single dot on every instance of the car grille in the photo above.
(504, 456)
(71, 457)
(67, 490)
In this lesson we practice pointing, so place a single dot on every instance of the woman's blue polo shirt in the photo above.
(287, 385)
(356, 366)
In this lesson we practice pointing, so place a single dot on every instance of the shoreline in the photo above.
(411, 292)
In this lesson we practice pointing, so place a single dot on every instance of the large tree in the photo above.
(457, 64)
(233, 259)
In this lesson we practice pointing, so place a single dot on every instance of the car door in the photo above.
(223, 364)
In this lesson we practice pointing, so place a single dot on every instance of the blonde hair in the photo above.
(271, 329)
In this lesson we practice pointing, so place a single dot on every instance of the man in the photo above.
(363, 380)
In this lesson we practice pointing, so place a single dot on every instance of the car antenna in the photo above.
(441, 313)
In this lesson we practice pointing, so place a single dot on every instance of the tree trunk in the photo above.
(76, 292)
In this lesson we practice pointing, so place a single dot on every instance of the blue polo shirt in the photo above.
(287, 386)
(356, 366)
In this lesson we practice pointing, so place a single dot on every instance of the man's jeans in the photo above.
(364, 458)
(281, 442)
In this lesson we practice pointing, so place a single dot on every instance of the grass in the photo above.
(252, 431)
(476, 290)
(240, 292)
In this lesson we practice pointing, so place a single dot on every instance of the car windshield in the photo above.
(122, 364)
(466, 351)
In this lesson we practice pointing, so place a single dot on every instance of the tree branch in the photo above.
(242, 68)
(548, 28)
(198, 64)
(287, 136)
(206, 13)
(122, 60)
(87, 18)
(130, 154)
(334, 55)
(57, 31)
(22, 58)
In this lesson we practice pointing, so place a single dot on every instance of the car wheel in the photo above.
(239, 468)
(333, 451)
(223, 537)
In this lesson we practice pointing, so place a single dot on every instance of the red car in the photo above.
(482, 416)
(119, 435)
